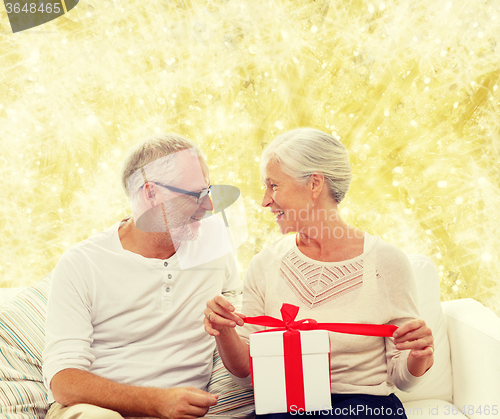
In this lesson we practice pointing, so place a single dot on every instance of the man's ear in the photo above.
(149, 193)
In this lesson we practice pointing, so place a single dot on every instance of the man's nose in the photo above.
(207, 203)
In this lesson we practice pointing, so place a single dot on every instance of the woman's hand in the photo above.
(220, 315)
(416, 336)
(220, 321)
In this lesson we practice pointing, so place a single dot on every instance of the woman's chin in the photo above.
(286, 229)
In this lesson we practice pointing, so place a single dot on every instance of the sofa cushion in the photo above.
(22, 335)
(232, 397)
(474, 333)
(438, 381)
(7, 294)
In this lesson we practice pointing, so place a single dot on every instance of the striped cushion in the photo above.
(22, 325)
(231, 395)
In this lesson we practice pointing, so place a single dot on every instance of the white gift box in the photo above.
(268, 372)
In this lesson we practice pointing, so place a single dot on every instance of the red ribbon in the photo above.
(294, 377)
(289, 312)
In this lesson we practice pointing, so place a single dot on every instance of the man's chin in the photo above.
(194, 229)
(189, 232)
(194, 224)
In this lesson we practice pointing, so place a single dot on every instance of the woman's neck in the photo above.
(329, 238)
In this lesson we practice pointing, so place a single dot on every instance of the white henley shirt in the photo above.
(131, 319)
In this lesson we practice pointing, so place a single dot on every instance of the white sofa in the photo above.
(464, 381)
(465, 378)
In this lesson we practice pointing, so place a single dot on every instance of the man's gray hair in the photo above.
(304, 151)
(147, 152)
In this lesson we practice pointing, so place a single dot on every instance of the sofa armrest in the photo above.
(474, 335)
(7, 294)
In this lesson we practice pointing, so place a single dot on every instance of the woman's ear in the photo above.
(149, 193)
(316, 182)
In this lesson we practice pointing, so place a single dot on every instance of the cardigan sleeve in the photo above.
(253, 296)
(401, 292)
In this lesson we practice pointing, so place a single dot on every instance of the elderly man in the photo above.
(124, 334)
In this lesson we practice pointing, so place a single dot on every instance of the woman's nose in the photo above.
(267, 200)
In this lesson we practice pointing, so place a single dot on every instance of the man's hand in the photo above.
(72, 386)
(416, 336)
(220, 315)
(185, 403)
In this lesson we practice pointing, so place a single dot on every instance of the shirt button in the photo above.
(165, 264)
(169, 276)
(167, 289)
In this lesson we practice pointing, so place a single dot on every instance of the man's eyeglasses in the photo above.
(200, 196)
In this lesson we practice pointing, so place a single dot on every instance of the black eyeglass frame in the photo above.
(200, 196)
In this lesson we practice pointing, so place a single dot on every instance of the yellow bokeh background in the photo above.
(412, 88)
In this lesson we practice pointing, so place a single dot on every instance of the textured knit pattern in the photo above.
(316, 285)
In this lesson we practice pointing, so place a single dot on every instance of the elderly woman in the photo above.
(334, 273)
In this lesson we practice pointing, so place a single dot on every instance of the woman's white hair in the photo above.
(149, 151)
(304, 151)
